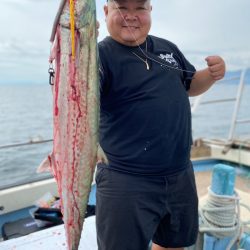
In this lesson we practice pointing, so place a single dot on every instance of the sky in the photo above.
(199, 28)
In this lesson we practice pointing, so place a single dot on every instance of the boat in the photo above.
(17, 201)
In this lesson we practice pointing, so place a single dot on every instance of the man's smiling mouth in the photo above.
(130, 27)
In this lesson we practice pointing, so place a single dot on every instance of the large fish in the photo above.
(75, 111)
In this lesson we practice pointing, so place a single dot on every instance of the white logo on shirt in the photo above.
(169, 58)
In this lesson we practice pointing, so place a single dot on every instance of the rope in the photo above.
(72, 27)
(246, 224)
(220, 216)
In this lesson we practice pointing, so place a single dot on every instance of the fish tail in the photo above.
(46, 164)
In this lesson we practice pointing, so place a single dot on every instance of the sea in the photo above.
(26, 115)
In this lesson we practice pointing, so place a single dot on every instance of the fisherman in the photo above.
(147, 190)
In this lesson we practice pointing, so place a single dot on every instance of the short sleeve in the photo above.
(188, 69)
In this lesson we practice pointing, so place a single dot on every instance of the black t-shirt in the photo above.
(145, 121)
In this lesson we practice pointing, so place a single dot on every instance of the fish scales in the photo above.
(76, 115)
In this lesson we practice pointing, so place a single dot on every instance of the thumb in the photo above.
(209, 60)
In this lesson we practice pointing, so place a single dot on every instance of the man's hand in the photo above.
(216, 67)
(204, 79)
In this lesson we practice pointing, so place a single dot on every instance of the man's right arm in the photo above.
(204, 79)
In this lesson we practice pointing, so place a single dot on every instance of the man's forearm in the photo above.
(201, 83)
(204, 79)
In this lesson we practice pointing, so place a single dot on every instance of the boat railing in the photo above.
(197, 102)
(31, 142)
(234, 120)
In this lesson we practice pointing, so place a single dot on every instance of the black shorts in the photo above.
(131, 210)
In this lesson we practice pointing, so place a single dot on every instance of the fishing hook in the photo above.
(51, 72)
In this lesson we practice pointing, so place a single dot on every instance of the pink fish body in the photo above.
(76, 114)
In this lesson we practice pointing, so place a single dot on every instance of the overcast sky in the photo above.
(199, 28)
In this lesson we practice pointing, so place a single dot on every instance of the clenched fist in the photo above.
(216, 67)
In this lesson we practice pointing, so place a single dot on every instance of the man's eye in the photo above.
(121, 8)
(141, 8)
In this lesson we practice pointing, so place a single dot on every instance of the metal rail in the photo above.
(197, 102)
(25, 144)
(218, 101)
(194, 107)
(237, 105)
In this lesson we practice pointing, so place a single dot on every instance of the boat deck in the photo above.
(242, 187)
(54, 238)
(203, 180)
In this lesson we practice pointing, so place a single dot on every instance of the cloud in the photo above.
(24, 45)
(202, 28)
(23, 62)
(199, 28)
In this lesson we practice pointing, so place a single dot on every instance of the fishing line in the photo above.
(143, 52)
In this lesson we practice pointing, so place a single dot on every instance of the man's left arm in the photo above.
(204, 79)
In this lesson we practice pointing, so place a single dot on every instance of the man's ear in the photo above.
(105, 8)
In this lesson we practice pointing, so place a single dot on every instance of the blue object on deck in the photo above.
(223, 180)
(212, 243)
(92, 198)
(245, 241)
(209, 242)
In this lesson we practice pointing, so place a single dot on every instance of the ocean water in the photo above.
(26, 114)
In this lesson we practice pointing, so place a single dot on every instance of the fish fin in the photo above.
(46, 164)
(101, 157)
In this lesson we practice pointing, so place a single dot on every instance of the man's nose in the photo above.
(130, 16)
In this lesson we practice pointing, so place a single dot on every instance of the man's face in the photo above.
(128, 21)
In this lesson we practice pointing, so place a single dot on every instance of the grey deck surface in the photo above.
(53, 238)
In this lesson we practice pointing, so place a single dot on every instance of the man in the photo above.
(147, 190)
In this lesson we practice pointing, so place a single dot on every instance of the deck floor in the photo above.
(203, 181)
(55, 237)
